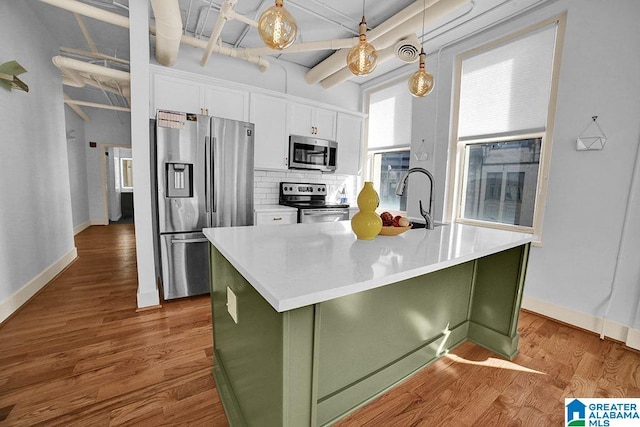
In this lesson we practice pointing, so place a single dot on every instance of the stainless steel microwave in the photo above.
(312, 153)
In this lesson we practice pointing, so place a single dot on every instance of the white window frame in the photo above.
(122, 172)
(457, 151)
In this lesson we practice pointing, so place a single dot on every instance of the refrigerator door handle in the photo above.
(207, 178)
(200, 240)
(214, 196)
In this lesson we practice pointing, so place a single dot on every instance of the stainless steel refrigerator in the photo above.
(204, 178)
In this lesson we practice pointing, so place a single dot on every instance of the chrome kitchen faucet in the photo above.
(428, 218)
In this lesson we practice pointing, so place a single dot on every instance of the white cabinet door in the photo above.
(311, 121)
(171, 93)
(227, 103)
(349, 138)
(275, 218)
(300, 119)
(269, 114)
(325, 123)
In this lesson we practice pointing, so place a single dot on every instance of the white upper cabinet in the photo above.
(275, 116)
(269, 114)
(227, 103)
(349, 137)
(176, 94)
(311, 121)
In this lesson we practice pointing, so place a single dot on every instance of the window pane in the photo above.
(126, 173)
(501, 181)
(389, 167)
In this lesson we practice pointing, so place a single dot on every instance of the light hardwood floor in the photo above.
(79, 354)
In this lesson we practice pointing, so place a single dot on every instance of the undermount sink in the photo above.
(421, 225)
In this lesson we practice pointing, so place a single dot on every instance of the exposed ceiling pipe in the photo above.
(75, 108)
(301, 47)
(186, 22)
(256, 15)
(96, 105)
(341, 73)
(235, 15)
(84, 67)
(168, 30)
(223, 17)
(90, 11)
(85, 33)
(263, 64)
(206, 17)
(398, 23)
(384, 54)
(78, 74)
(84, 54)
(123, 21)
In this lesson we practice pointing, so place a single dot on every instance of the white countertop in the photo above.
(296, 265)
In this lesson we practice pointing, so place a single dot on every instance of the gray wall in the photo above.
(35, 214)
(77, 169)
(588, 191)
(110, 128)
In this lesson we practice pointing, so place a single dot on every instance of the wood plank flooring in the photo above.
(79, 354)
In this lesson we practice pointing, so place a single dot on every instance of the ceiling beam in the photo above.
(73, 102)
(75, 108)
(85, 33)
(96, 55)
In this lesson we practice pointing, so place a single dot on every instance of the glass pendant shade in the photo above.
(421, 82)
(362, 58)
(277, 27)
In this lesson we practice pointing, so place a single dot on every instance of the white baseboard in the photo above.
(77, 229)
(22, 295)
(148, 299)
(633, 338)
(613, 330)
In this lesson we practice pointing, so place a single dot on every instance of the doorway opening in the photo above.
(117, 184)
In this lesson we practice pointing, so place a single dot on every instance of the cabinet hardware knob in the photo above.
(278, 218)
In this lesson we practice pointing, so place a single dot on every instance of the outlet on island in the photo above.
(232, 304)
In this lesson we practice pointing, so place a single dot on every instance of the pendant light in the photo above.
(362, 58)
(421, 82)
(277, 27)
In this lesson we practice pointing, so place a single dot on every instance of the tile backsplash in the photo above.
(267, 185)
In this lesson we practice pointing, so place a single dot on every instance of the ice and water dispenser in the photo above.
(179, 180)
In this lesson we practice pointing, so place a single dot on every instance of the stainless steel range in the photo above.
(310, 199)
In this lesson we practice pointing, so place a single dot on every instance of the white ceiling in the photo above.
(317, 20)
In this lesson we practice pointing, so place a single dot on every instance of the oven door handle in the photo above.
(318, 212)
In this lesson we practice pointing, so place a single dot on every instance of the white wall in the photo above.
(588, 190)
(570, 275)
(105, 128)
(36, 225)
(77, 159)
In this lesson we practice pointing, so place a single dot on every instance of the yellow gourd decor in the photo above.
(367, 223)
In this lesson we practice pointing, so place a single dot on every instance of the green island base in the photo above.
(314, 365)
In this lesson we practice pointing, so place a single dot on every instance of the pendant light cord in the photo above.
(424, 12)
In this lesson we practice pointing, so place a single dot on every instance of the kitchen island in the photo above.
(310, 323)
